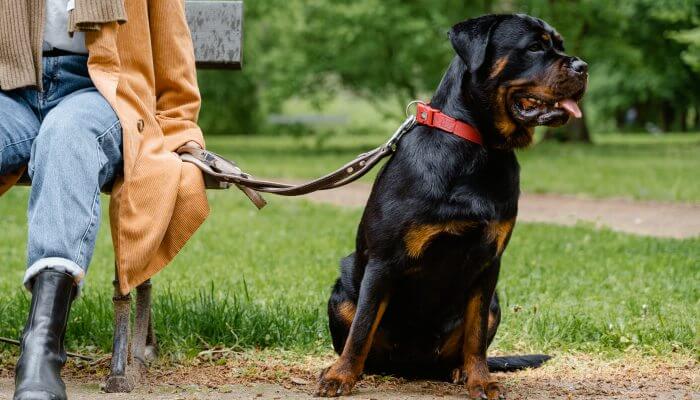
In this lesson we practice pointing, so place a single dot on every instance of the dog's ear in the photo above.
(470, 39)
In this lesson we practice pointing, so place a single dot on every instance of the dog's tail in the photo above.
(515, 363)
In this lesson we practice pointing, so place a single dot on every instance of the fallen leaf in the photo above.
(299, 381)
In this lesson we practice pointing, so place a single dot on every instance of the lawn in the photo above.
(636, 166)
(254, 279)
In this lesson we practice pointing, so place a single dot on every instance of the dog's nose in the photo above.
(578, 65)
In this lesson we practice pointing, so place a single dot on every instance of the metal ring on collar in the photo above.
(414, 102)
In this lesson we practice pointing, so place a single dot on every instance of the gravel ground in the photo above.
(265, 376)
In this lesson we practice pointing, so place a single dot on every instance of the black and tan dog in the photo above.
(417, 297)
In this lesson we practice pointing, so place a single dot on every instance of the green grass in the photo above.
(633, 166)
(261, 279)
(641, 167)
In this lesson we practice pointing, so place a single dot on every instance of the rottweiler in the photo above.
(417, 297)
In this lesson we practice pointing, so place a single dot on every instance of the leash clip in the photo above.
(407, 125)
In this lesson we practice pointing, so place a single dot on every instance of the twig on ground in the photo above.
(74, 355)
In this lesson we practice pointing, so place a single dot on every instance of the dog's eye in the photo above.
(535, 47)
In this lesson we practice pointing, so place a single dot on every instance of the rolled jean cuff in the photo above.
(54, 264)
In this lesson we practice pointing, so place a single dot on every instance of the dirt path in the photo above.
(566, 377)
(672, 220)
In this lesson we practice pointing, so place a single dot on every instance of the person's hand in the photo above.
(192, 143)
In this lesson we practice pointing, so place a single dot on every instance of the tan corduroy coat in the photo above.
(146, 71)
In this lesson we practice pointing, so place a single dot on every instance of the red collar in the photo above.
(428, 116)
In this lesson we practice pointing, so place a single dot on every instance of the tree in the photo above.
(238, 102)
(643, 54)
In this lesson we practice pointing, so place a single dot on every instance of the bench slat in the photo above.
(217, 33)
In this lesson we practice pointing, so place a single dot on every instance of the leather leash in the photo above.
(227, 173)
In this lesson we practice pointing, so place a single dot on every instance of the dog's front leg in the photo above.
(479, 382)
(340, 377)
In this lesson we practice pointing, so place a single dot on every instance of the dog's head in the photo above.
(518, 74)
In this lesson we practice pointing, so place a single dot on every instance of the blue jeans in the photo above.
(70, 137)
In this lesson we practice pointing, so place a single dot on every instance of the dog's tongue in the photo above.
(571, 107)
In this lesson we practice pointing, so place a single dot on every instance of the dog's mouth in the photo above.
(531, 109)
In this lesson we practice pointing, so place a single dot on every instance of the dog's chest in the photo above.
(462, 239)
(480, 228)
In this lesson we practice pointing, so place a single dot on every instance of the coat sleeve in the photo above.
(177, 94)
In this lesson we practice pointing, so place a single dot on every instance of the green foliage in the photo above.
(690, 37)
(643, 54)
(229, 100)
(379, 48)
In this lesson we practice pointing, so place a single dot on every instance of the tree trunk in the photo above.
(667, 115)
(684, 121)
(620, 120)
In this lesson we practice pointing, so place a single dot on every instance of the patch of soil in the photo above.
(274, 375)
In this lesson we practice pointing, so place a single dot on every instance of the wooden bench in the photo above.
(217, 33)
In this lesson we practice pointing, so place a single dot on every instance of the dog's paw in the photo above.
(458, 376)
(335, 381)
(486, 390)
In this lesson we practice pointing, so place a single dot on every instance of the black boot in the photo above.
(38, 371)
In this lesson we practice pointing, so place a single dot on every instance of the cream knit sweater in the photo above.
(21, 35)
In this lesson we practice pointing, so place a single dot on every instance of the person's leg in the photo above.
(19, 127)
(77, 152)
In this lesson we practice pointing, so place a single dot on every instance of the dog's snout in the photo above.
(578, 66)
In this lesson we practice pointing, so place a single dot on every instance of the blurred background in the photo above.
(333, 67)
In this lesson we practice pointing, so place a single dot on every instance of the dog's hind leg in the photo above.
(343, 301)
(341, 312)
(372, 302)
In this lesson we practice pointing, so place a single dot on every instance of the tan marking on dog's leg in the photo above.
(372, 332)
(479, 381)
(346, 311)
(343, 374)
(491, 322)
(453, 344)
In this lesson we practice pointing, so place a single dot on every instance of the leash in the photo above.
(226, 173)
